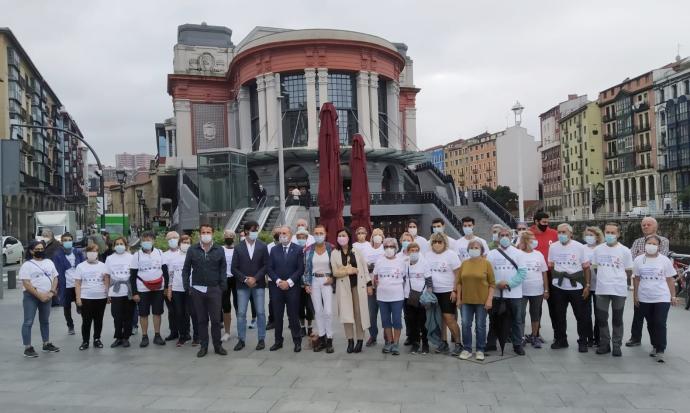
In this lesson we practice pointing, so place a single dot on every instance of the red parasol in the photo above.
(331, 199)
(360, 186)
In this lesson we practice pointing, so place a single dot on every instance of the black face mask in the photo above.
(39, 254)
(542, 227)
(276, 238)
(229, 241)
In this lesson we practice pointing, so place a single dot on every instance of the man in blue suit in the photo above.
(249, 265)
(66, 260)
(285, 268)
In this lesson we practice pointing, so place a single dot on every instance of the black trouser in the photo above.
(656, 315)
(591, 317)
(92, 311)
(183, 310)
(415, 323)
(70, 297)
(306, 307)
(637, 324)
(230, 297)
(271, 319)
(122, 310)
(172, 318)
(207, 306)
(281, 300)
(549, 302)
(561, 299)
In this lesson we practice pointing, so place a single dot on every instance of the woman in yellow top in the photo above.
(475, 290)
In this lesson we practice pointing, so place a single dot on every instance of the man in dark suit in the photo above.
(249, 265)
(285, 268)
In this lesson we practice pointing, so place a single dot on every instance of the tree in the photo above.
(504, 196)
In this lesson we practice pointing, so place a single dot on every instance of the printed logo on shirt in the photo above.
(566, 259)
(651, 273)
(439, 267)
(609, 261)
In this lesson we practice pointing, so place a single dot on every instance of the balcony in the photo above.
(643, 148)
(611, 171)
(641, 128)
(609, 136)
(610, 117)
(610, 155)
(642, 167)
(641, 107)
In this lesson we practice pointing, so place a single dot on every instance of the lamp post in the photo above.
(281, 164)
(140, 198)
(517, 110)
(121, 179)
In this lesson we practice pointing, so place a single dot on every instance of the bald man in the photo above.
(649, 227)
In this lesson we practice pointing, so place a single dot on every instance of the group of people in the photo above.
(361, 278)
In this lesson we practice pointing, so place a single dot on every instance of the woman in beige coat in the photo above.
(353, 284)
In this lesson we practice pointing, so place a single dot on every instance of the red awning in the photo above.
(359, 207)
(331, 199)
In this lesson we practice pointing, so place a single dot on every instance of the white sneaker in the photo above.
(464, 355)
(225, 337)
(479, 356)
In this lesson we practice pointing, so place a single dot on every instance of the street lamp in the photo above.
(140, 198)
(121, 175)
(517, 110)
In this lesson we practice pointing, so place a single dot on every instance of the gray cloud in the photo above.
(108, 60)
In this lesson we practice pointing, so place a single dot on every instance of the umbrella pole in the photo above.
(281, 171)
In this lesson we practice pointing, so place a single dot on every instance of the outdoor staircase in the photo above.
(482, 222)
(272, 219)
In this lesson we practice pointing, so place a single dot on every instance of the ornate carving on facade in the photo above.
(260, 83)
(262, 62)
(321, 52)
(207, 62)
(310, 76)
(374, 80)
(209, 131)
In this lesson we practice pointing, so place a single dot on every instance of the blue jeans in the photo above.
(31, 305)
(373, 316)
(259, 297)
(391, 314)
(477, 313)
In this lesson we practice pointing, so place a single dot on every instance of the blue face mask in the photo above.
(563, 238)
(301, 242)
(505, 242)
(319, 239)
(120, 249)
(535, 244)
(405, 244)
(610, 238)
(147, 245)
(438, 230)
(253, 235)
(468, 230)
(67, 245)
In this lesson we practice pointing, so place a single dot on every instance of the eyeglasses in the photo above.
(437, 242)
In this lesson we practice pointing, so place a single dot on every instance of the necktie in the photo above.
(286, 251)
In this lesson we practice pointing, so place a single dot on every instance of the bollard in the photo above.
(12, 280)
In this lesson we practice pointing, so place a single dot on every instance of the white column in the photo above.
(272, 112)
(393, 110)
(411, 128)
(606, 197)
(363, 105)
(183, 120)
(233, 136)
(323, 86)
(312, 111)
(245, 119)
(374, 108)
(263, 129)
(615, 198)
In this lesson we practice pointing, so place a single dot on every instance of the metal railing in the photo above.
(495, 207)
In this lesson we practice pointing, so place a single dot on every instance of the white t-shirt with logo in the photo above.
(228, 260)
(92, 276)
(653, 273)
(533, 285)
(175, 261)
(69, 274)
(504, 270)
(40, 273)
(589, 254)
(390, 274)
(462, 243)
(611, 263)
(117, 266)
(149, 266)
(442, 268)
(417, 273)
(568, 258)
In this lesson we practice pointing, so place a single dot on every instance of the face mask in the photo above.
(474, 252)
(229, 241)
(301, 227)
(389, 252)
(283, 239)
(651, 249)
(47, 240)
(377, 239)
(67, 245)
(610, 239)
(301, 242)
(590, 239)
(494, 237)
(505, 242)
(319, 239)
(184, 247)
(206, 238)
(405, 244)
(468, 230)
(414, 257)
(172, 243)
(563, 238)
(119, 249)
(438, 230)
(147, 245)
(39, 254)
(342, 241)
(253, 235)
(92, 255)
(535, 244)
(542, 228)
(412, 231)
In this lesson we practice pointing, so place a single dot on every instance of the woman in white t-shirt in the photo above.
(372, 254)
(91, 283)
(535, 287)
(120, 293)
(654, 292)
(593, 237)
(181, 301)
(415, 316)
(444, 265)
(39, 285)
(389, 277)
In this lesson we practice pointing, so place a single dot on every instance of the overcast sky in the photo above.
(108, 60)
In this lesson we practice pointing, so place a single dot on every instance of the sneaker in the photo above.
(660, 357)
(414, 349)
(29, 352)
(395, 349)
(442, 348)
(225, 337)
(98, 343)
(84, 346)
(653, 353)
(632, 343)
(536, 342)
(371, 341)
(457, 349)
(479, 356)
(144, 341)
(425, 348)
(70, 331)
(386, 348)
(158, 340)
(252, 324)
(616, 352)
(465, 355)
(50, 348)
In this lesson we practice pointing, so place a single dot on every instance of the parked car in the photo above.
(638, 212)
(12, 250)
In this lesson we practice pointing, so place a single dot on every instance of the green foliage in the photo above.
(162, 244)
(504, 196)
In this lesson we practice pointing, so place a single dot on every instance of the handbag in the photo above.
(414, 296)
(153, 285)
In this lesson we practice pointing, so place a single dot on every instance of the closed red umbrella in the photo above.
(359, 207)
(331, 199)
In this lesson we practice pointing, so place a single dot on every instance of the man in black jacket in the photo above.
(207, 262)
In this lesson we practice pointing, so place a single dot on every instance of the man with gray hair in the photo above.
(52, 245)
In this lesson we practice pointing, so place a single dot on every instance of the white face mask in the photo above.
(206, 238)
(377, 239)
(651, 249)
(474, 252)
(92, 255)
(284, 239)
(172, 243)
(184, 247)
(412, 231)
(389, 252)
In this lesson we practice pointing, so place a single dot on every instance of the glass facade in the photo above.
(293, 88)
(383, 113)
(254, 115)
(342, 92)
(222, 181)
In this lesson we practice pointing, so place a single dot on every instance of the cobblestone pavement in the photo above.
(173, 379)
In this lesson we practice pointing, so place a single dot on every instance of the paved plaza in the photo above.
(173, 379)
